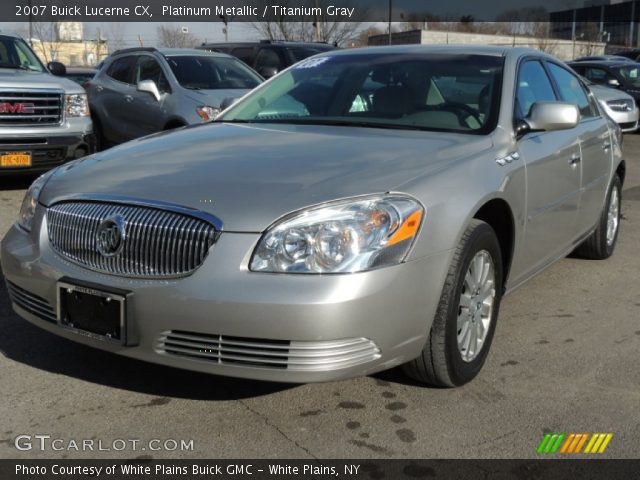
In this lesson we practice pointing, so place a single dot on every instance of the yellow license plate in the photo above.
(15, 159)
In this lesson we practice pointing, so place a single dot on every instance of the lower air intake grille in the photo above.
(33, 304)
(275, 354)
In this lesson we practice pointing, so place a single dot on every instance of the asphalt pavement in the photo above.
(564, 359)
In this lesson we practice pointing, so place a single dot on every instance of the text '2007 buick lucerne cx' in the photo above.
(363, 209)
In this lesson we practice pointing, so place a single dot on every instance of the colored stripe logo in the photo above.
(574, 443)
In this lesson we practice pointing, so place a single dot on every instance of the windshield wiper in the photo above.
(343, 123)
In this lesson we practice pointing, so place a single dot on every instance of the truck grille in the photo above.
(157, 243)
(25, 108)
(266, 353)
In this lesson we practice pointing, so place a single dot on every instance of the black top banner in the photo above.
(280, 10)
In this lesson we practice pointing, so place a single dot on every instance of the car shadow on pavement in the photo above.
(17, 182)
(25, 343)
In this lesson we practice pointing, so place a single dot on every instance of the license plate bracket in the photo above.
(92, 311)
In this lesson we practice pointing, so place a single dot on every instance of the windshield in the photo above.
(212, 73)
(15, 53)
(631, 75)
(439, 92)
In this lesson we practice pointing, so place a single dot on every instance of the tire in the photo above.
(596, 246)
(441, 361)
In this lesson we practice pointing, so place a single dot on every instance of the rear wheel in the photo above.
(602, 242)
(465, 321)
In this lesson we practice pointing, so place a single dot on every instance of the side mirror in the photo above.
(227, 102)
(551, 116)
(268, 72)
(56, 68)
(613, 82)
(150, 86)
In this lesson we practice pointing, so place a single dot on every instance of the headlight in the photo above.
(207, 113)
(30, 201)
(341, 237)
(76, 105)
(623, 105)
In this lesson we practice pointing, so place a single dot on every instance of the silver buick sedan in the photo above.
(361, 210)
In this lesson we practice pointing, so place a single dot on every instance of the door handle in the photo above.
(128, 98)
(606, 146)
(575, 160)
(99, 88)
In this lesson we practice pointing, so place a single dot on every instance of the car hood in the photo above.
(605, 94)
(13, 78)
(248, 176)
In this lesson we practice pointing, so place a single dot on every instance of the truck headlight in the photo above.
(341, 237)
(76, 105)
(30, 201)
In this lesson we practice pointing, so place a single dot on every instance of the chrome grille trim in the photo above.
(32, 303)
(48, 107)
(159, 243)
(263, 353)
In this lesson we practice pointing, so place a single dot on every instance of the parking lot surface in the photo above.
(564, 359)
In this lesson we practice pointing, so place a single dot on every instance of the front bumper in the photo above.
(628, 121)
(314, 327)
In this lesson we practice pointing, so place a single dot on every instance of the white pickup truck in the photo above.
(44, 119)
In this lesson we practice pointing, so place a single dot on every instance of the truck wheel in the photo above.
(465, 321)
(602, 242)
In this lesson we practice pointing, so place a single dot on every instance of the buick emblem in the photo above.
(110, 236)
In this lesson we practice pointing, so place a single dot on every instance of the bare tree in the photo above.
(116, 35)
(310, 28)
(47, 41)
(172, 36)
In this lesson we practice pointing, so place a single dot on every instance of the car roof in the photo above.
(172, 52)
(489, 50)
(603, 63)
(279, 43)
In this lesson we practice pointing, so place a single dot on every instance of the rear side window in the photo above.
(268, 58)
(122, 69)
(571, 90)
(533, 86)
(244, 53)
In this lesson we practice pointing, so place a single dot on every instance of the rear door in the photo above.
(553, 175)
(595, 146)
(108, 98)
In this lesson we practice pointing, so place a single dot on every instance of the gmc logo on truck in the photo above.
(7, 107)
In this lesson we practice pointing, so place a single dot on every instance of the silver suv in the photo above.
(44, 120)
(141, 91)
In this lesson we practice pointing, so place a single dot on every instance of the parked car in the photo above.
(604, 58)
(44, 119)
(632, 54)
(621, 75)
(350, 215)
(620, 106)
(80, 75)
(139, 91)
(268, 57)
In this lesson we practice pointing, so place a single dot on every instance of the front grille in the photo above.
(626, 125)
(276, 354)
(33, 304)
(22, 108)
(158, 243)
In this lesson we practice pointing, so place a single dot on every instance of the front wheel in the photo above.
(465, 321)
(602, 242)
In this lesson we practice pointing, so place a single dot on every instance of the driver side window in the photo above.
(533, 86)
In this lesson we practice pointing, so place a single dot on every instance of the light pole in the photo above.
(390, 10)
